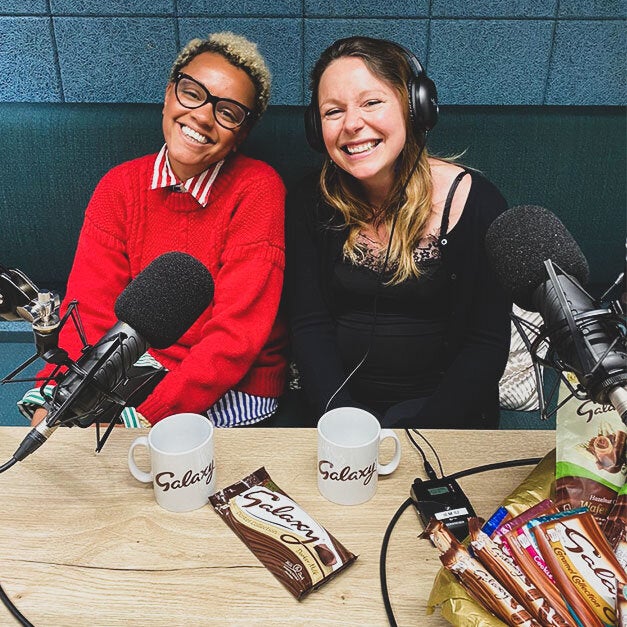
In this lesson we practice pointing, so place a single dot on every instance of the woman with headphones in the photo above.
(392, 304)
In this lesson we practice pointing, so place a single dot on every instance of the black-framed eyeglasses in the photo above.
(191, 94)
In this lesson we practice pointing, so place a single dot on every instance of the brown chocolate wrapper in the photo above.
(455, 603)
(621, 604)
(295, 548)
(583, 565)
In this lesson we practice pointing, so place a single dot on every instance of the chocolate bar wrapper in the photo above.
(615, 526)
(456, 605)
(513, 579)
(521, 544)
(583, 565)
(500, 516)
(621, 604)
(295, 548)
(544, 507)
(440, 535)
(486, 588)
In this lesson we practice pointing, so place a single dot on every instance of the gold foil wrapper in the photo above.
(455, 603)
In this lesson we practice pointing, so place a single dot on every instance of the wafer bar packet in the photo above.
(615, 525)
(295, 548)
(590, 468)
(456, 605)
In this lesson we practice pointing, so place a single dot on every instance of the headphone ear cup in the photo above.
(313, 129)
(424, 103)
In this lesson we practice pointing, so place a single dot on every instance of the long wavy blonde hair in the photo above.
(411, 195)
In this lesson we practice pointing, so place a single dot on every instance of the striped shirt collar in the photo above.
(198, 186)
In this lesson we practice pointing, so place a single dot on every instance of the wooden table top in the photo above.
(83, 543)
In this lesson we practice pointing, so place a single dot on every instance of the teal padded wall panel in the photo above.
(112, 7)
(115, 59)
(25, 7)
(374, 8)
(35, 76)
(482, 52)
(503, 69)
(279, 8)
(278, 39)
(588, 63)
(593, 8)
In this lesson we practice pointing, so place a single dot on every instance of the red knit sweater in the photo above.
(238, 342)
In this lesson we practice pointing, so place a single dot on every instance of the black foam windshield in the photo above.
(163, 301)
(518, 243)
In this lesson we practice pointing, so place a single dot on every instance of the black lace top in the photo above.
(406, 349)
(475, 336)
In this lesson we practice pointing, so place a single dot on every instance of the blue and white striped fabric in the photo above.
(33, 399)
(237, 408)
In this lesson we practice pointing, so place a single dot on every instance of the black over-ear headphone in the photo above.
(423, 104)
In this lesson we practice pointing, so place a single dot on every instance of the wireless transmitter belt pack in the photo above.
(444, 500)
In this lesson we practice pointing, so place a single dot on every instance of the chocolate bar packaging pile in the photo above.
(573, 579)
(557, 564)
(295, 548)
(557, 547)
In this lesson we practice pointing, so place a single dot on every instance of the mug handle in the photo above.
(140, 475)
(393, 465)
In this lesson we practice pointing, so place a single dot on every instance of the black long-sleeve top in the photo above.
(477, 339)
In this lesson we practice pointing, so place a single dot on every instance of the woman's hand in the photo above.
(38, 416)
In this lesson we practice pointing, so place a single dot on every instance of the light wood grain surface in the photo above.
(83, 543)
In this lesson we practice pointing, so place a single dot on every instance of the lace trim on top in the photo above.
(371, 256)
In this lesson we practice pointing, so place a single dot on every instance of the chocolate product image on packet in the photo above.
(590, 463)
(295, 548)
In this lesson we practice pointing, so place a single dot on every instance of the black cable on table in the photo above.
(8, 464)
(531, 461)
(382, 559)
(19, 617)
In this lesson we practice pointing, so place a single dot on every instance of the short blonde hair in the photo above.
(238, 51)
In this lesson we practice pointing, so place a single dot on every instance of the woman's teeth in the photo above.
(190, 132)
(359, 148)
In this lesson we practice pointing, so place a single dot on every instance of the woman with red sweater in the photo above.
(198, 195)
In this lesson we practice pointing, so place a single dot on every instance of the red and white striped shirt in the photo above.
(198, 186)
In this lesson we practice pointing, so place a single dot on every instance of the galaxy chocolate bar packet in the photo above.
(295, 548)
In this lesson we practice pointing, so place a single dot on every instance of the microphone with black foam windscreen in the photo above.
(539, 264)
(154, 310)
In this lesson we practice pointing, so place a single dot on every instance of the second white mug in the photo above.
(348, 455)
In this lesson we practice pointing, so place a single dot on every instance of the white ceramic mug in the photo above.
(348, 455)
(182, 464)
